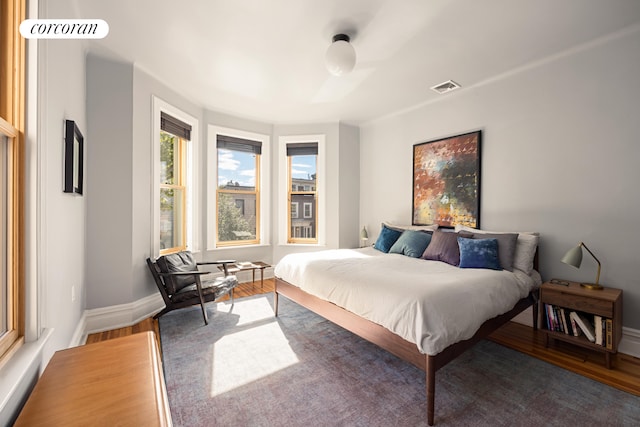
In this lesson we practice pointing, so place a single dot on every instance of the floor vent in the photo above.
(445, 87)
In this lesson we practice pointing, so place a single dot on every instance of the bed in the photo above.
(425, 311)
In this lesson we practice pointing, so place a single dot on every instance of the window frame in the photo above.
(263, 206)
(192, 216)
(304, 209)
(12, 126)
(284, 179)
(14, 334)
(179, 184)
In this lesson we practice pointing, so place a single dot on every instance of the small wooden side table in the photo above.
(255, 265)
(572, 297)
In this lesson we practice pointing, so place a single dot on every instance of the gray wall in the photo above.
(108, 174)
(119, 229)
(349, 186)
(341, 195)
(560, 156)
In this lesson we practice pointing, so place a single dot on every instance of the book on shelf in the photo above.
(574, 325)
(567, 321)
(597, 329)
(609, 333)
(584, 324)
(552, 319)
(597, 326)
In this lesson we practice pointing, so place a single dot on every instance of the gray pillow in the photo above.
(506, 247)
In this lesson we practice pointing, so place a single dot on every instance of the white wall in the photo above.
(560, 155)
(62, 91)
(55, 265)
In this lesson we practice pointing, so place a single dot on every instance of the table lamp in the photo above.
(573, 257)
(364, 236)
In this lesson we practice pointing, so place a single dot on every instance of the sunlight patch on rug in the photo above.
(256, 350)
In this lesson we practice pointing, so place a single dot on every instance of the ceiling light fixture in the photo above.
(341, 56)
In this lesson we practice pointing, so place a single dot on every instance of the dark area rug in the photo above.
(248, 368)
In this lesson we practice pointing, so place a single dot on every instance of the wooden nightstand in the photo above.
(606, 303)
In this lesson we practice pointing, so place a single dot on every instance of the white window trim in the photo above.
(193, 186)
(283, 180)
(304, 210)
(297, 209)
(212, 184)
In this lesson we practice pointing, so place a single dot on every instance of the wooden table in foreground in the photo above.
(113, 382)
(255, 265)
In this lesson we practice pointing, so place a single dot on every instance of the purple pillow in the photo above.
(444, 247)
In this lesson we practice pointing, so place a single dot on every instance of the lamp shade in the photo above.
(363, 234)
(573, 256)
(341, 56)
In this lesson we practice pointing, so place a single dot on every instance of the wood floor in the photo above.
(625, 374)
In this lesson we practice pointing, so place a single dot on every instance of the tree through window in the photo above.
(238, 191)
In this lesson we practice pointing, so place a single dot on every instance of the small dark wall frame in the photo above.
(73, 158)
(446, 181)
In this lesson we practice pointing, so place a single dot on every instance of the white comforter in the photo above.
(429, 303)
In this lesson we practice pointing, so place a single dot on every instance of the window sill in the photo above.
(303, 245)
(239, 247)
(17, 375)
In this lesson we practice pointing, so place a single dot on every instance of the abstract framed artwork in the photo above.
(446, 181)
(73, 158)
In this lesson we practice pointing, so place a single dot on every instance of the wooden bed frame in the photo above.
(393, 343)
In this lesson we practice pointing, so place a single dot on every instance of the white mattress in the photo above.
(429, 303)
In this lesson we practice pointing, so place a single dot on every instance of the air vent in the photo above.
(445, 87)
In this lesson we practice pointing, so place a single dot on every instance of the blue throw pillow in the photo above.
(480, 253)
(386, 238)
(411, 243)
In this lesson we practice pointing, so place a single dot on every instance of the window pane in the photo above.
(236, 216)
(303, 173)
(171, 214)
(237, 195)
(168, 150)
(236, 170)
(304, 226)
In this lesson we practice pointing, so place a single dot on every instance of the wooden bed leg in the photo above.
(275, 303)
(430, 370)
(535, 315)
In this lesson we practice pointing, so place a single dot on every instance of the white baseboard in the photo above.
(629, 344)
(123, 315)
(80, 334)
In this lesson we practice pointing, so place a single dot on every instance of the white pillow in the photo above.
(526, 246)
(432, 227)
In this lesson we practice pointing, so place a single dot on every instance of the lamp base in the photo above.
(592, 286)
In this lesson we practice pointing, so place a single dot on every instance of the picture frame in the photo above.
(446, 181)
(73, 158)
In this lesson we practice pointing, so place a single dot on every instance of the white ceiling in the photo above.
(264, 59)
